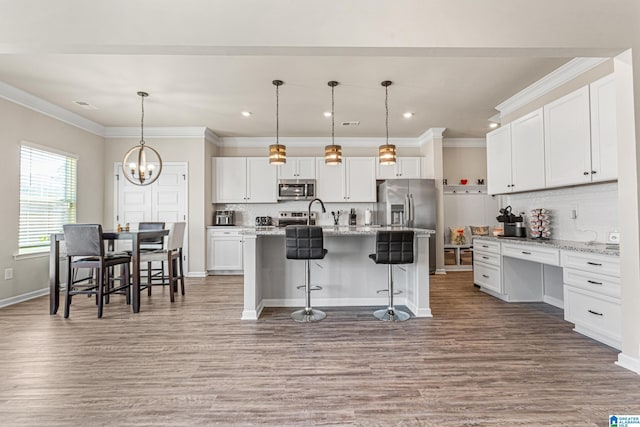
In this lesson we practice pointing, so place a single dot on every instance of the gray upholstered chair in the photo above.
(172, 255)
(306, 243)
(393, 247)
(85, 249)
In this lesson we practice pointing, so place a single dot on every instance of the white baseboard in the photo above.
(628, 362)
(556, 302)
(331, 302)
(24, 297)
(423, 312)
(196, 274)
(252, 314)
(225, 272)
(441, 271)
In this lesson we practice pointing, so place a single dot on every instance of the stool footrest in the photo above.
(312, 288)
(384, 291)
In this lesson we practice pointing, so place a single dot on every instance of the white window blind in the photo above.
(47, 196)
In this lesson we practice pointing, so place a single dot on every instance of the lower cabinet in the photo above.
(486, 265)
(224, 251)
(592, 296)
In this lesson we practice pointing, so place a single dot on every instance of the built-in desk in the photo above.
(581, 278)
(347, 276)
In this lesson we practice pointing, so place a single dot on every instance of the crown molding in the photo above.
(247, 142)
(431, 134)
(551, 81)
(464, 143)
(156, 132)
(212, 137)
(32, 102)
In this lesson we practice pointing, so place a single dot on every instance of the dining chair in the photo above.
(152, 244)
(172, 254)
(85, 249)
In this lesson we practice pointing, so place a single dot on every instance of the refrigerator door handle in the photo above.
(412, 213)
(407, 205)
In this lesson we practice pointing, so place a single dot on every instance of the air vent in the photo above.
(356, 123)
(85, 105)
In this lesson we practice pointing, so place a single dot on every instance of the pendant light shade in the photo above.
(333, 152)
(277, 151)
(142, 164)
(387, 152)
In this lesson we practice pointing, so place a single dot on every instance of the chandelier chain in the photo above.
(386, 108)
(333, 120)
(142, 123)
(277, 114)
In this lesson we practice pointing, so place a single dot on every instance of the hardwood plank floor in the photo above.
(478, 362)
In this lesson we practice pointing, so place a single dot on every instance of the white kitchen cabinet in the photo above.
(298, 168)
(244, 180)
(567, 139)
(486, 265)
(224, 250)
(352, 181)
(404, 168)
(527, 152)
(499, 161)
(592, 295)
(604, 153)
(515, 155)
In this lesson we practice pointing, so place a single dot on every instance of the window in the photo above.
(47, 196)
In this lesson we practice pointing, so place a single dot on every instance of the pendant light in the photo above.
(277, 151)
(387, 152)
(333, 152)
(142, 164)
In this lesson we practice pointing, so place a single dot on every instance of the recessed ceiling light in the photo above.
(408, 115)
(327, 113)
(493, 125)
(246, 113)
(85, 105)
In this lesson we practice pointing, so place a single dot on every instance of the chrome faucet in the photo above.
(309, 209)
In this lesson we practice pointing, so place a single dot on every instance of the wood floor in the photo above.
(477, 362)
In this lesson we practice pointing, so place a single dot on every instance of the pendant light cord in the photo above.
(333, 120)
(142, 123)
(277, 114)
(386, 108)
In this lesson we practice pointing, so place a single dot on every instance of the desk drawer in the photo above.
(487, 276)
(486, 246)
(594, 313)
(532, 253)
(597, 283)
(595, 263)
(486, 257)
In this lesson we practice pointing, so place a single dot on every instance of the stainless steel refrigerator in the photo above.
(409, 203)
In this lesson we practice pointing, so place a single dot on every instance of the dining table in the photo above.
(108, 236)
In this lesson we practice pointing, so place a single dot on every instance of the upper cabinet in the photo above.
(404, 168)
(352, 181)
(527, 152)
(298, 168)
(604, 153)
(499, 160)
(567, 139)
(244, 180)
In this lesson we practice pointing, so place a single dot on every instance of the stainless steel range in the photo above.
(295, 218)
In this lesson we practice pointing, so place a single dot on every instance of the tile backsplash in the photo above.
(596, 208)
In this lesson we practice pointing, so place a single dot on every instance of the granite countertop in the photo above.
(336, 231)
(591, 247)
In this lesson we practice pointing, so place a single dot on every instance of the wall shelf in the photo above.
(465, 189)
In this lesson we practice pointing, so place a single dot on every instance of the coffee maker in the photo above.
(513, 224)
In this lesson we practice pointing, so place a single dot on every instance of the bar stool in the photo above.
(392, 247)
(307, 243)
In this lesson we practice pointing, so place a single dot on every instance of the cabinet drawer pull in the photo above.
(526, 253)
(485, 276)
(594, 263)
(594, 282)
(585, 173)
(485, 246)
(485, 257)
(594, 312)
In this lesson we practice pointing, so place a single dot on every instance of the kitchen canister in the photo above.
(540, 224)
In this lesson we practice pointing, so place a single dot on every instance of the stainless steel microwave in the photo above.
(296, 189)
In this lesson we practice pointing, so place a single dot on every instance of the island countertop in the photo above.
(337, 231)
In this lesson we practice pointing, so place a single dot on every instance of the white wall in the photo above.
(464, 162)
(597, 208)
(22, 124)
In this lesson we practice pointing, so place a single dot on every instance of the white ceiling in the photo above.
(203, 62)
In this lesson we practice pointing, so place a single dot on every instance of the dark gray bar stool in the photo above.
(307, 243)
(393, 247)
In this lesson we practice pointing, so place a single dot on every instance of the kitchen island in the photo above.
(347, 276)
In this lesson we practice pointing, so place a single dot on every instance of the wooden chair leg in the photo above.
(124, 280)
(67, 295)
(181, 272)
(171, 278)
(100, 291)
